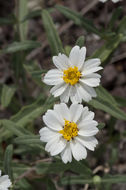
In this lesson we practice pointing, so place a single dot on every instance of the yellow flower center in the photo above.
(70, 130)
(71, 75)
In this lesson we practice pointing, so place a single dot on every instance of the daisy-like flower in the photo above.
(5, 182)
(114, 1)
(74, 77)
(69, 131)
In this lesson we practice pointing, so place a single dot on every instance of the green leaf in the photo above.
(35, 13)
(23, 27)
(108, 48)
(106, 102)
(34, 72)
(28, 139)
(8, 21)
(80, 41)
(58, 166)
(31, 112)
(7, 94)
(31, 15)
(23, 184)
(121, 101)
(14, 128)
(78, 19)
(101, 125)
(122, 29)
(105, 95)
(21, 46)
(116, 14)
(67, 50)
(71, 180)
(80, 168)
(52, 35)
(112, 109)
(112, 179)
(7, 161)
(50, 184)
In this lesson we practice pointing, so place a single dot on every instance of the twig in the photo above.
(25, 174)
(65, 27)
(32, 169)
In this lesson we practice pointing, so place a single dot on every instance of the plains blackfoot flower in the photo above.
(114, 1)
(69, 131)
(5, 182)
(74, 77)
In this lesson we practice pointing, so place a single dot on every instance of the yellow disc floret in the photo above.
(71, 75)
(70, 130)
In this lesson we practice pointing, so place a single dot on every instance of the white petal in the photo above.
(74, 95)
(92, 75)
(83, 93)
(92, 82)
(90, 90)
(86, 117)
(51, 120)
(61, 61)
(53, 77)
(62, 111)
(76, 111)
(90, 116)
(91, 63)
(84, 114)
(58, 89)
(88, 142)
(55, 146)
(88, 128)
(92, 70)
(77, 56)
(66, 154)
(5, 182)
(87, 123)
(87, 132)
(46, 134)
(66, 94)
(79, 152)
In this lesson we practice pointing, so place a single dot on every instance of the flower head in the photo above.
(74, 77)
(69, 131)
(5, 182)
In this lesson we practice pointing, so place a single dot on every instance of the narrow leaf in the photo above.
(23, 27)
(78, 19)
(31, 112)
(14, 128)
(80, 41)
(52, 35)
(116, 14)
(21, 46)
(7, 161)
(7, 94)
(107, 107)
(108, 48)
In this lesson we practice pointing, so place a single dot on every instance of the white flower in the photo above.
(74, 77)
(114, 1)
(5, 182)
(69, 131)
